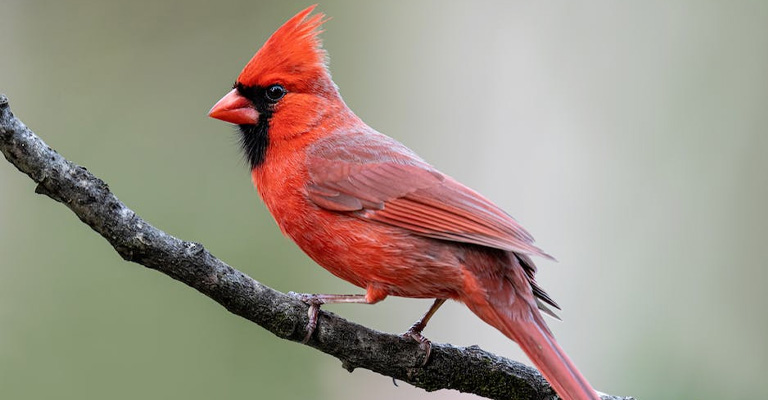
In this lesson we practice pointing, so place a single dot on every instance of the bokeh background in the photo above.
(631, 138)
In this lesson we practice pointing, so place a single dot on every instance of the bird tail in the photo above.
(550, 359)
(525, 325)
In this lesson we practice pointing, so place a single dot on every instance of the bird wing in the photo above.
(376, 178)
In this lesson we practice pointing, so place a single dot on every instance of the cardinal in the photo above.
(372, 212)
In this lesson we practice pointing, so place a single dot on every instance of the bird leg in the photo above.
(316, 300)
(414, 332)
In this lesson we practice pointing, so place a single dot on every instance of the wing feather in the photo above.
(385, 182)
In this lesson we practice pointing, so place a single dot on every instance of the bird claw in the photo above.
(424, 344)
(314, 302)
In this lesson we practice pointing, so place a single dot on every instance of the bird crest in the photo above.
(292, 56)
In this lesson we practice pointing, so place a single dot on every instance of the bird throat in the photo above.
(254, 140)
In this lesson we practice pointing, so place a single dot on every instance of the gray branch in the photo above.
(468, 369)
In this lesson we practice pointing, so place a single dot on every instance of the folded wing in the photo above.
(401, 190)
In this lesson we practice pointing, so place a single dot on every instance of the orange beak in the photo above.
(236, 109)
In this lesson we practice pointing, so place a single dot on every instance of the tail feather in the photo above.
(502, 291)
(534, 338)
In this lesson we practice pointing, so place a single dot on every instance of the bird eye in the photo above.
(275, 93)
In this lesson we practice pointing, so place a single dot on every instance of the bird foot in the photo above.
(314, 301)
(424, 344)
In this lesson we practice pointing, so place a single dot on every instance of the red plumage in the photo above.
(372, 212)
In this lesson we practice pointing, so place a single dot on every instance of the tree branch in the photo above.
(467, 369)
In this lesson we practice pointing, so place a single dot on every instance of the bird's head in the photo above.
(284, 90)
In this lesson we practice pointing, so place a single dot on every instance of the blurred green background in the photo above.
(631, 138)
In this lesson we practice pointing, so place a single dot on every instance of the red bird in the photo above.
(373, 213)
